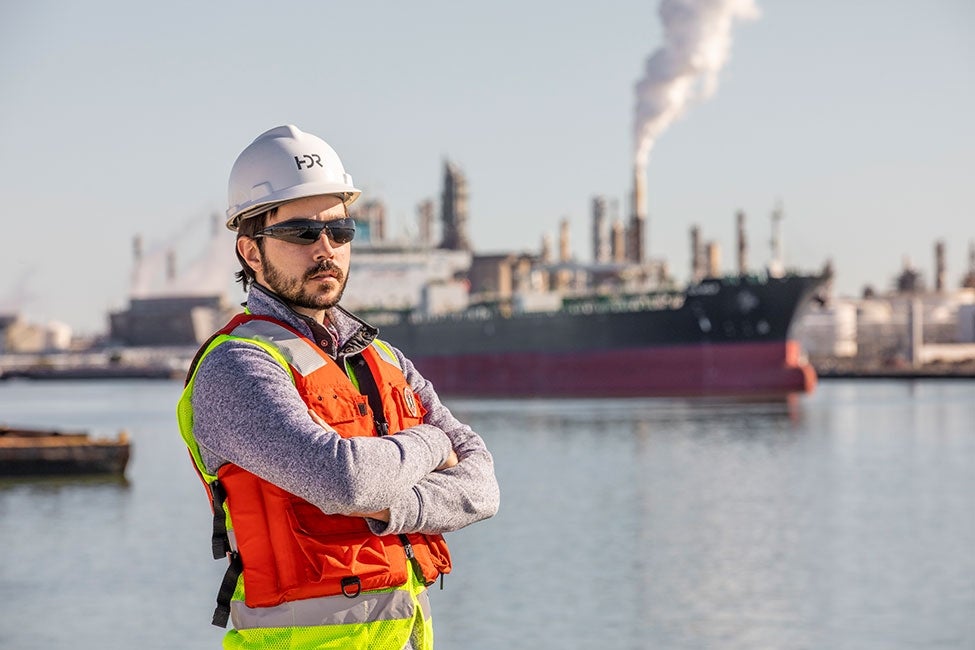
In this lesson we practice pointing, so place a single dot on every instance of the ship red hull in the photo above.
(756, 368)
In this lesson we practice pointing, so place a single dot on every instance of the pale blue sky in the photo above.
(123, 118)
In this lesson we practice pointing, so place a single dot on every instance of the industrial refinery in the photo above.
(437, 275)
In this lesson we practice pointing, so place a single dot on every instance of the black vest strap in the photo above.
(219, 541)
(222, 612)
(368, 387)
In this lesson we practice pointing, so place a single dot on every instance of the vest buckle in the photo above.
(351, 581)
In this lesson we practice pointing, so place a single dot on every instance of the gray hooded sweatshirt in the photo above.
(247, 412)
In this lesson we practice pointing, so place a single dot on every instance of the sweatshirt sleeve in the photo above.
(249, 413)
(448, 499)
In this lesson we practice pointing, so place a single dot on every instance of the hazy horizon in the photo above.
(121, 121)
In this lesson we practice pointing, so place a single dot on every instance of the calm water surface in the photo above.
(840, 520)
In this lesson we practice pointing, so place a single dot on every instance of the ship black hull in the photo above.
(722, 336)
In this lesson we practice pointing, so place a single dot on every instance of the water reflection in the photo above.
(613, 414)
(843, 519)
(722, 523)
(658, 505)
(55, 484)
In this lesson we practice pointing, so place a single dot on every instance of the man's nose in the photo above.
(324, 248)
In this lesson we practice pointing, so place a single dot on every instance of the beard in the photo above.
(294, 290)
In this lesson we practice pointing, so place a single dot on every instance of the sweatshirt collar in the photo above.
(348, 332)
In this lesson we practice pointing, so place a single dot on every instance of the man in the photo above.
(332, 465)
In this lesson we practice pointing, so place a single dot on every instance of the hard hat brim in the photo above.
(238, 213)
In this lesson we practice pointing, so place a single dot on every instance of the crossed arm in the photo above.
(431, 478)
(382, 515)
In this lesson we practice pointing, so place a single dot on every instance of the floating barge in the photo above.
(92, 372)
(69, 368)
(34, 452)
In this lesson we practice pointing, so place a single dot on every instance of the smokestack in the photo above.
(600, 242)
(546, 253)
(138, 267)
(374, 212)
(777, 265)
(697, 267)
(618, 242)
(638, 216)
(639, 192)
(915, 332)
(742, 244)
(713, 259)
(424, 217)
(968, 281)
(453, 209)
(565, 254)
(940, 271)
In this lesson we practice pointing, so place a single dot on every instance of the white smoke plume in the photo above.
(697, 43)
(19, 294)
(208, 274)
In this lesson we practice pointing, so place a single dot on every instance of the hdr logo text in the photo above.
(309, 160)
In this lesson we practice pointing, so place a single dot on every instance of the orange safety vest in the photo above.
(289, 548)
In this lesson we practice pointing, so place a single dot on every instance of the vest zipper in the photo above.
(411, 556)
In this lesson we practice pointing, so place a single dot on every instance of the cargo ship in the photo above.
(721, 336)
(546, 324)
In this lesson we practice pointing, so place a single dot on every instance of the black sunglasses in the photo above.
(307, 231)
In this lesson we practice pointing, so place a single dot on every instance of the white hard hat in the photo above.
(283, 164)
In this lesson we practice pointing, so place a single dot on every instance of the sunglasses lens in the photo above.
(340, 231)
(307, 235)
(296, 234)
(341, 234)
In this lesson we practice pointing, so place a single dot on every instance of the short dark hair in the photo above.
(248, 228)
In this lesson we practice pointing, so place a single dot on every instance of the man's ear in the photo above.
(250, 253)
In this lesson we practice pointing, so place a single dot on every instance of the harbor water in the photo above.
(841, 520)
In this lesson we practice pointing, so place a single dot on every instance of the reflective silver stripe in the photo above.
(386, 353)
(328, 610)
(299, 354)
(424, 601)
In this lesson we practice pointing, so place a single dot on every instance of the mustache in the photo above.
(325, 266)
